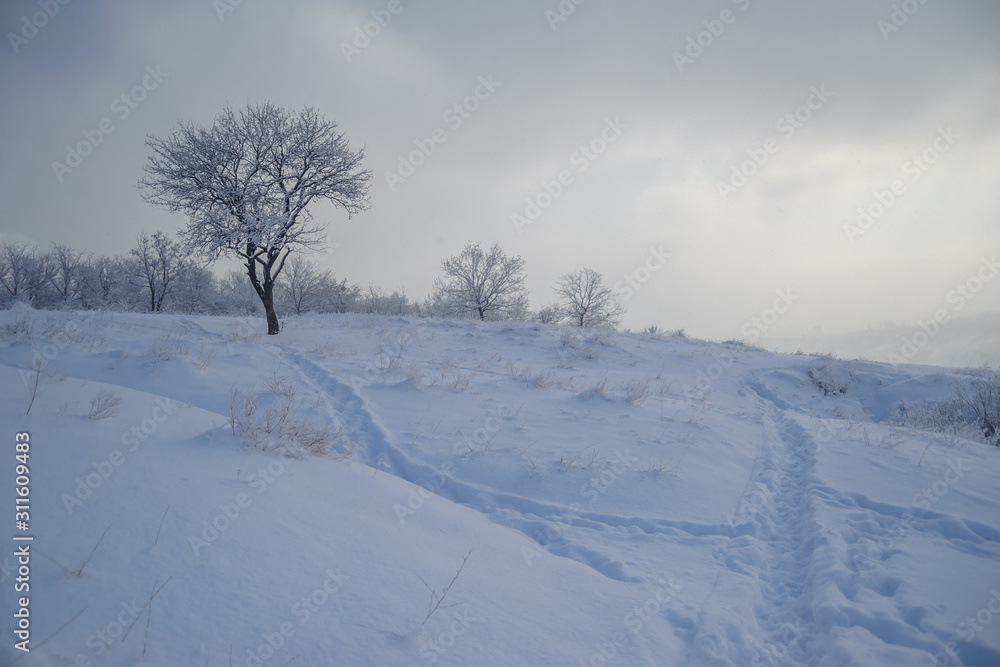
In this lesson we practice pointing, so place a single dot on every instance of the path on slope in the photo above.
(767, 562)
(344, 405)
(804, 540)
(790, 534)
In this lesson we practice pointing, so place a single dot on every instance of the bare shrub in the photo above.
(980, 400)
(459, 381)
(832, 379)
(104, 405)
(636, 391)
(204, 357)
(598, 390)
(415, 373)
(570, 340)
(972, 410)
(276, 422)
(166, 347)
(543, 380)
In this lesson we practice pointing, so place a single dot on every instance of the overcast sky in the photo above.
(672, 98)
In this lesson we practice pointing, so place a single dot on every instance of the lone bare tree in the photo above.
(246, 183)
(585, 300)
(483, 284)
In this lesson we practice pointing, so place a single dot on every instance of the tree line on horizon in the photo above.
(159, 274)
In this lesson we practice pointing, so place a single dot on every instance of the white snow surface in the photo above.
(621, 499)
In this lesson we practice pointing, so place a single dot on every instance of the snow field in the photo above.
(620, 499)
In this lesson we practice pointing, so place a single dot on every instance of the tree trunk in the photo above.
(267, 298)
(264, 290)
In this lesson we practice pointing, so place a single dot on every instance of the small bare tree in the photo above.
(376, 300)
(483, 284)
(16, 261)
(158, 265)
(105, 282)
(372, 298)
(301, 285)
(305, 287)
(247, 182)
(585, 300)
(68, 269)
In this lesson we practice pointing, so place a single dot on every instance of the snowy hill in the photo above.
(391, 491)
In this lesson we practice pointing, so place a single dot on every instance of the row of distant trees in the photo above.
(245, 184)
(159, 274)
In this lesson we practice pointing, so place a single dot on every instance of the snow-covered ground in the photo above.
(498, 495)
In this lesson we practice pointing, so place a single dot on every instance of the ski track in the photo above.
(344, 405)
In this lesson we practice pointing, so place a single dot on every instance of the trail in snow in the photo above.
(784, 614)
(817, 579)
(344, 405)
(771, 550)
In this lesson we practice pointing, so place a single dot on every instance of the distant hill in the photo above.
(967, 342)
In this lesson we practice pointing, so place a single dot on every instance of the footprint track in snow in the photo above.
(344, 405)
